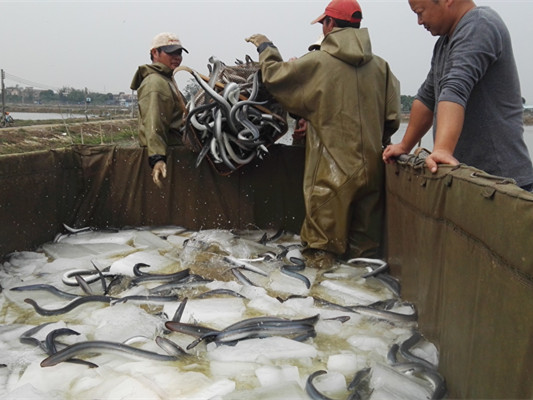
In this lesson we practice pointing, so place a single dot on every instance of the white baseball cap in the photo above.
(168, 42)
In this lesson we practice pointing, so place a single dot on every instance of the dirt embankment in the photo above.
(123, 132)
(24, 139)
(528, 117)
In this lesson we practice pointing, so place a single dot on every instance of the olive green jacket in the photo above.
(352, 102)
(161, 108)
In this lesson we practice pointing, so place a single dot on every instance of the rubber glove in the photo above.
(257, 39)
(160, 169)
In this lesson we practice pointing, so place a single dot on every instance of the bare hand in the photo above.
(301, 130)
(440, 157)
(160, 169)
(392, 151)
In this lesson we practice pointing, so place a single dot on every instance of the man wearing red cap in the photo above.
(351, 100)
(161, 104)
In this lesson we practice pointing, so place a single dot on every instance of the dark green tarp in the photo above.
(107, 186)
(461, 243)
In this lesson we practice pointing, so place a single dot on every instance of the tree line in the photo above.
(62, 96)
(68, 95)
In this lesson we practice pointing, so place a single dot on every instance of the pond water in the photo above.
(427, 141)
(44, 116)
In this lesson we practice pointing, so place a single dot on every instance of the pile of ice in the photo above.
(248, 267)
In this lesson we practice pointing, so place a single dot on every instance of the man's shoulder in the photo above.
(481, 18)
(155, 81)
(156, 77)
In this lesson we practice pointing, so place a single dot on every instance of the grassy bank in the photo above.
(27, 136)
(34, 135)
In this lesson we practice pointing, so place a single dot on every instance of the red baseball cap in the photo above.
(343, 10)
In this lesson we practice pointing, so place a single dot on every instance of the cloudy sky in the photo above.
(99, 44)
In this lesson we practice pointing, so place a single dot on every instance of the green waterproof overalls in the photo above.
(352, 102)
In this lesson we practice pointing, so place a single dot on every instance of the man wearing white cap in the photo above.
(351, 100)
(161, 104)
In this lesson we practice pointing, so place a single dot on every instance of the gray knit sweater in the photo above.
(475, 67)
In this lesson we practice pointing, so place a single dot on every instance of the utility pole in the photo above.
(2, 76)
(132, 104)
(86, 102)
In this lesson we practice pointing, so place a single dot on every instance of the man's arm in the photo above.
(157, 109)
(450, 119)
(420, 121)
(392, 108)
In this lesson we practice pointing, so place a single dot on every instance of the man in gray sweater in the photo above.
(471, 95)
